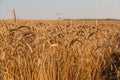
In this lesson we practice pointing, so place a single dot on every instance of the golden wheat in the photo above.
(59, 50)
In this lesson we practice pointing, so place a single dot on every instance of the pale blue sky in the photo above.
(47, 9)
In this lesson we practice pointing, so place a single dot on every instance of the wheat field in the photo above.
(60, 50)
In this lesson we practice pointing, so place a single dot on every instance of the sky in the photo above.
(66, 9)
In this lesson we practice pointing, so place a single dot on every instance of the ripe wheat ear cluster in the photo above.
(60, 50)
